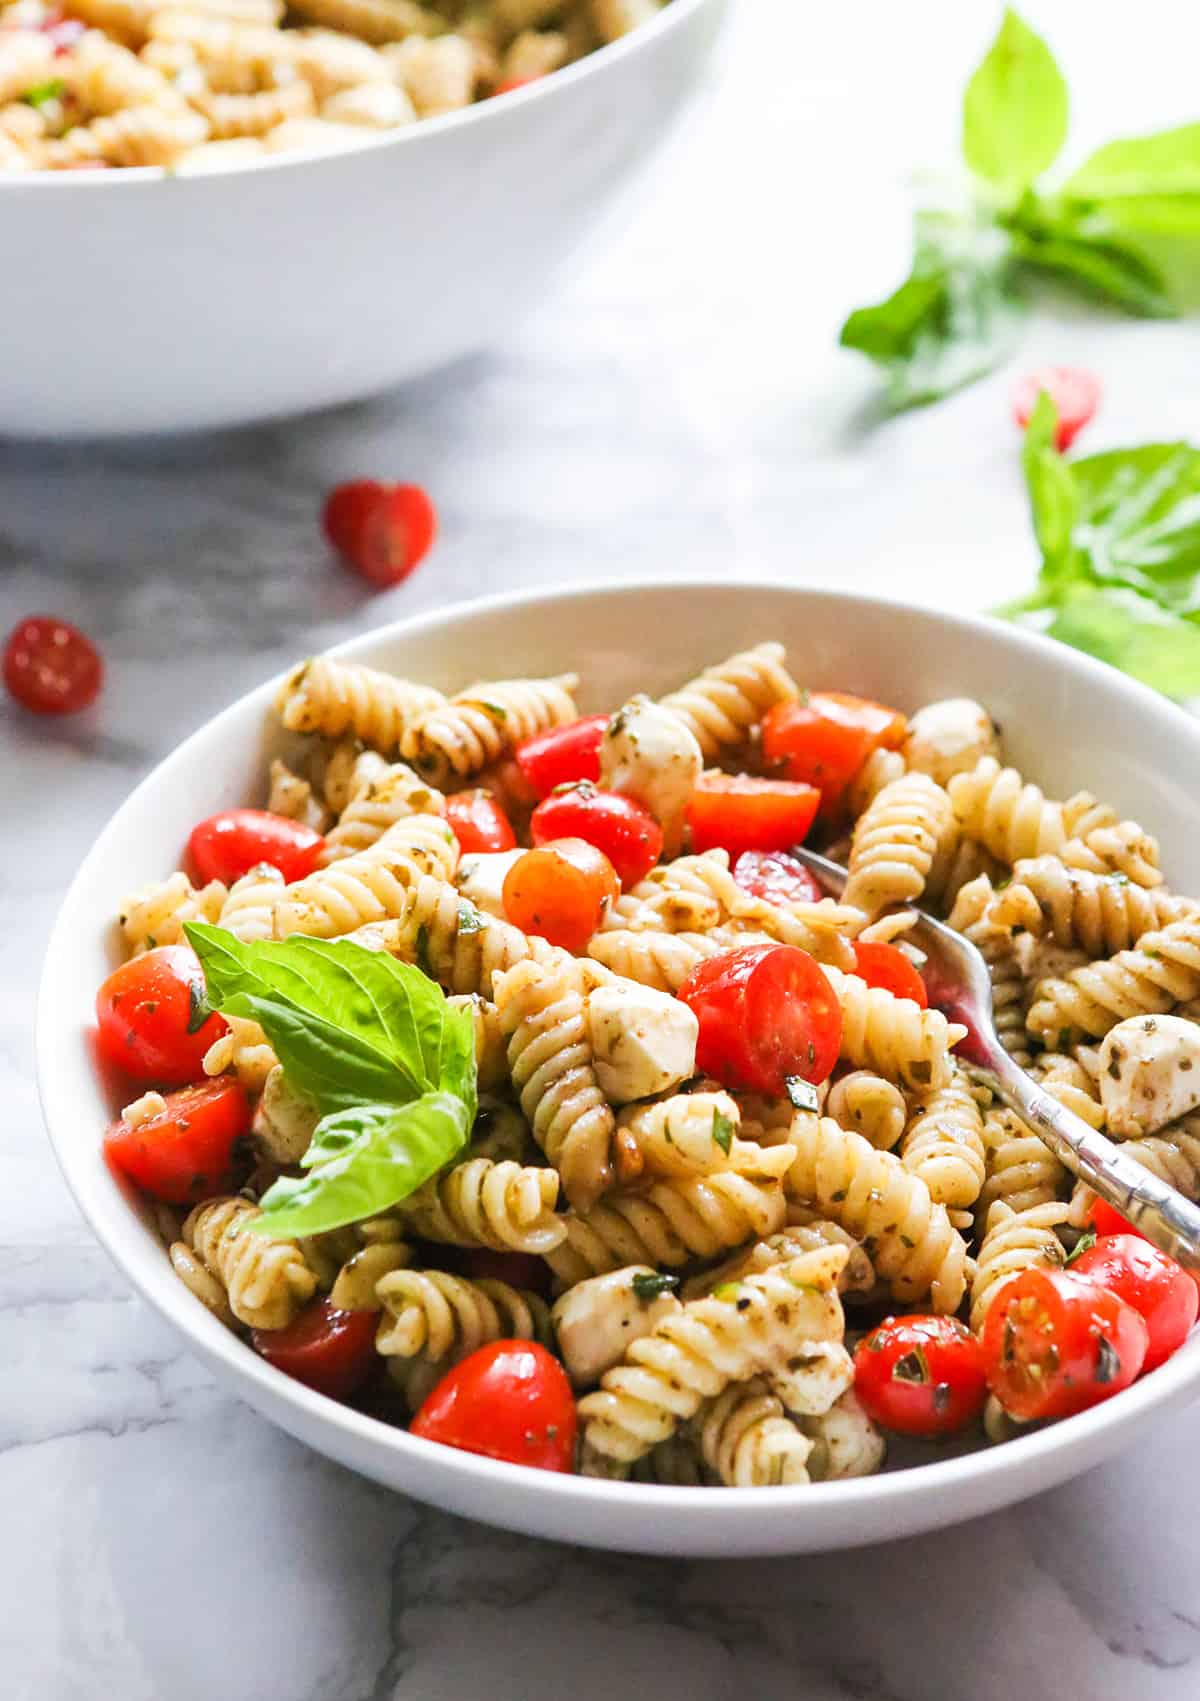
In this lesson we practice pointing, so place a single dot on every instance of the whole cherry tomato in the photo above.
(1074, 391)
(479, 823)
(510, 1400)
(1105, 1219)
(154, 1023)
(777, 877)
(921, 1375)
(766, 1013)
(560, 892)
(563, 754)
(186, 1152)
(1158, 1289)
(1055, 1343)
(50, 667)
(228, 845)
(824, 737)
(626, 832)
(329, 1350)
(736, 812)
(887, 966)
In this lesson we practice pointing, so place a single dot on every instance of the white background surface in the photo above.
(678, 406)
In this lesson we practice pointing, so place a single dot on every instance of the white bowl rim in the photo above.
(1166, 1388)
(130, 178)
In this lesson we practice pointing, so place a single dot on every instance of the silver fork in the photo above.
(958, 983)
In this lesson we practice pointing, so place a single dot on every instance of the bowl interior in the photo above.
(1068, 722)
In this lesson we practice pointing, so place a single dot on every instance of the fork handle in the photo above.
(1164, 1216)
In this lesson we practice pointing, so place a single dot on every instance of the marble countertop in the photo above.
(677, 406)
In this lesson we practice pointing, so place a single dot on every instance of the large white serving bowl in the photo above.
(132, 301)
(1067, 721)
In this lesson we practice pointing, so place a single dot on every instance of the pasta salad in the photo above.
(507, 1077)
(205, 85)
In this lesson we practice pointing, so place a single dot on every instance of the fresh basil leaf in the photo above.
(1139, 519)
(647, 1285)
(350, 1026)
(1165, 163)
(952, 320)
(1015, 109)
(722, 1131)
(364, 1160)
(1131, 633)
(1082, 247)
(1053, 498)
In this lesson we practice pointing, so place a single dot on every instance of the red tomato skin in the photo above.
(326, 1349)
(766, 1012)
(344, 511)
(186, 1153)
(623, 830)
(510, 1400)
(1074, 391)
(777, 877)
(519, 1269)
(512, 83)
(736, 812)
(143, 1012)
(50, 667)
(563, 754)
(230, 844)
(887, 966)
(942, 1383)
(1105, 1219)
(1159, 1290)
(560, 892)
(824, 737)
(1056, 1344)
(382, 531)
(479, 823)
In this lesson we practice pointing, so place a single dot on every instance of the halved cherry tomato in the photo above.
(777, 877)
(1158, 1289)
(563, 754)
(383, 531)
(479, 823)
(626, 832)
(560, 892)
(1074, 391)
(329, 1350)
(511, 83)
(1105, 1219)
(921, 1375)
(186, 1152)
(824, 737)
(509, 1400)
(736, 812)
(154, 1022)
(228, 845)
(766, 1012)
(1055, 1343)
(51, 667)
(887, 966)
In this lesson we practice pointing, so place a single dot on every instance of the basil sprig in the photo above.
(375, 1044)
(1124, 229)
(1119, 535)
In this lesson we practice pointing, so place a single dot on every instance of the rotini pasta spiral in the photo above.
(910, 1240)
(904, 831)
(881, 768)
(1009, 818)
(662, 960)
(870, 1106)
(332, 698)
(1173, 1154)
(504, 1206)
(696, 1134)
(383, 794)
(1014, 1241)
(373, 885)
(1162, 969)
(293, 796)
(156, 915)
(806, 1232)
(543, 1012)
(721, 705)
(1022, 1171)
(432, 1319)
(845, 1443)
(748, 1441)
(244, 1049)
(1066, 1080)
(1121, 847)
(453, 942)
(249, 910)
(943, 1144)
(972, 917)
(674, 1463)
(893, 1036)
(668, 1224)
(765, 1324)
(266, 1281)
(478, 726)
(1102, 913)
(356, 1283)
(491, 1047)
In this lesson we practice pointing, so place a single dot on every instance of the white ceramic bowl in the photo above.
(131, 301)
(1067, 721)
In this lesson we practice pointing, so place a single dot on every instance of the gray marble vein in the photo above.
(677, 406)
